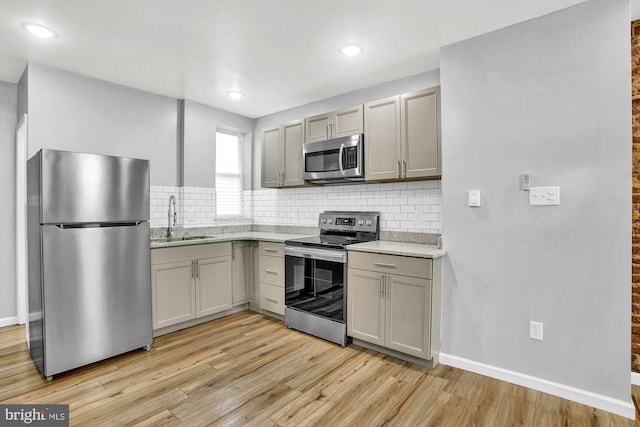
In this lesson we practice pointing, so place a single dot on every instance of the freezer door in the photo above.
(96, 294)
(85, 188)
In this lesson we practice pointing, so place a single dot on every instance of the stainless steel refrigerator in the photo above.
(88, 258)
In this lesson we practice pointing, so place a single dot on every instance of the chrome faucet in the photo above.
(172, 200)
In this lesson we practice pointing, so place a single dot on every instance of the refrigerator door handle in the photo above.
(99, 225)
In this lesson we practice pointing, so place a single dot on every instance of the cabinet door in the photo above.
(271, 157)
(382, 139)
(365, 305)
(316, 128)
(242, 273)
(172, 293)
(408, 315)
(292, 139)
(420, 133)
(213, 285)
(347, 121)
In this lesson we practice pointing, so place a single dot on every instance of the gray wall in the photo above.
(8, 114)
(551, 97)
(69, 111)
(419, 81)
(200, 125)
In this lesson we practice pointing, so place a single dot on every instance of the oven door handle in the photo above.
(339, 256)
(340, 163)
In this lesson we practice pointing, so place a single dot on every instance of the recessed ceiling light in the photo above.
(39, 30)
(351, 49)
(234, 94)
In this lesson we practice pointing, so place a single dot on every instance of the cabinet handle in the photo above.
(270, 250)
(275, 301)
(382, 285)
(399, 170)
(404, 168)
(382, 264)
(197, 269)
(271, 271)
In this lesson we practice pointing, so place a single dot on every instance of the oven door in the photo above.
(315, 281)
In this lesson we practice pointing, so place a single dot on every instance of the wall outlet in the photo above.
(544, 196)
(535, 330)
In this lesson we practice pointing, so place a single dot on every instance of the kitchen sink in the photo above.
(181, 239)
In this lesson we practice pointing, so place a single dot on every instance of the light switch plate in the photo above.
(535, 330)
(544, 196)
(474, 198)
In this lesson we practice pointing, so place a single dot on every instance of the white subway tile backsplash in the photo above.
(405, 206)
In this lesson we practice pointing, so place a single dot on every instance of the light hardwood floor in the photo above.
(248, 369)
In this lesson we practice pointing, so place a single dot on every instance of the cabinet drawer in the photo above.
(272, 249)
(272, 298)
(272, 270)
(405, 266)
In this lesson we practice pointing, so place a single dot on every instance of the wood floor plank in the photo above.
(249, 369)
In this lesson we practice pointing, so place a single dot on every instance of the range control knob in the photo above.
(361, 222)
(324, 220)
(369, 223)
(330, 220)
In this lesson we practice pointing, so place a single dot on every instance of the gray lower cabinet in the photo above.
(402, 135)
(189, 282)
(242, 291)
(394, 303)
(271, 277)
(172, 292)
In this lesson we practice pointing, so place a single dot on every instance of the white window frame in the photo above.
(239, 175)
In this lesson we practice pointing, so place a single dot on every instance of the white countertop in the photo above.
(231, 237)
(418, 250)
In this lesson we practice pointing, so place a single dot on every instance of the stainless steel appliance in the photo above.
(88, 249)
(316, 273)
(335, 160)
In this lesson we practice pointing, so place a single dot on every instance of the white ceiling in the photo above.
(280, 53)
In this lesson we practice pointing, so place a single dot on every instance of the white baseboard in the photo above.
(8, 321)
(635, 378)
(616, 406)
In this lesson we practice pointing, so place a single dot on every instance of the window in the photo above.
(228, 175)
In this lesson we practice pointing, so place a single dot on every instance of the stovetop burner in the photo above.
(338, 229)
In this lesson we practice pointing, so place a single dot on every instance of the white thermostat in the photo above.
(474, 198)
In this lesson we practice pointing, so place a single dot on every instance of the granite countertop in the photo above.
(229, 237)
(418, 250)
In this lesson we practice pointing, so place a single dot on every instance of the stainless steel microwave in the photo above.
(335, 160)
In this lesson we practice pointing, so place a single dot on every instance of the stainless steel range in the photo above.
(316, 273)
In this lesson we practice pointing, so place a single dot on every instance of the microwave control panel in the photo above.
(351, 155)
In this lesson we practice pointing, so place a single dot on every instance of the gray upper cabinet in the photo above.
(282, 155)
(420, 133)
(402, 136)
(271, 174)
(292, 140)
(343, 122)
(382, 139)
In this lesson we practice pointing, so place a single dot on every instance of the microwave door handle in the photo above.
(340, 164)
